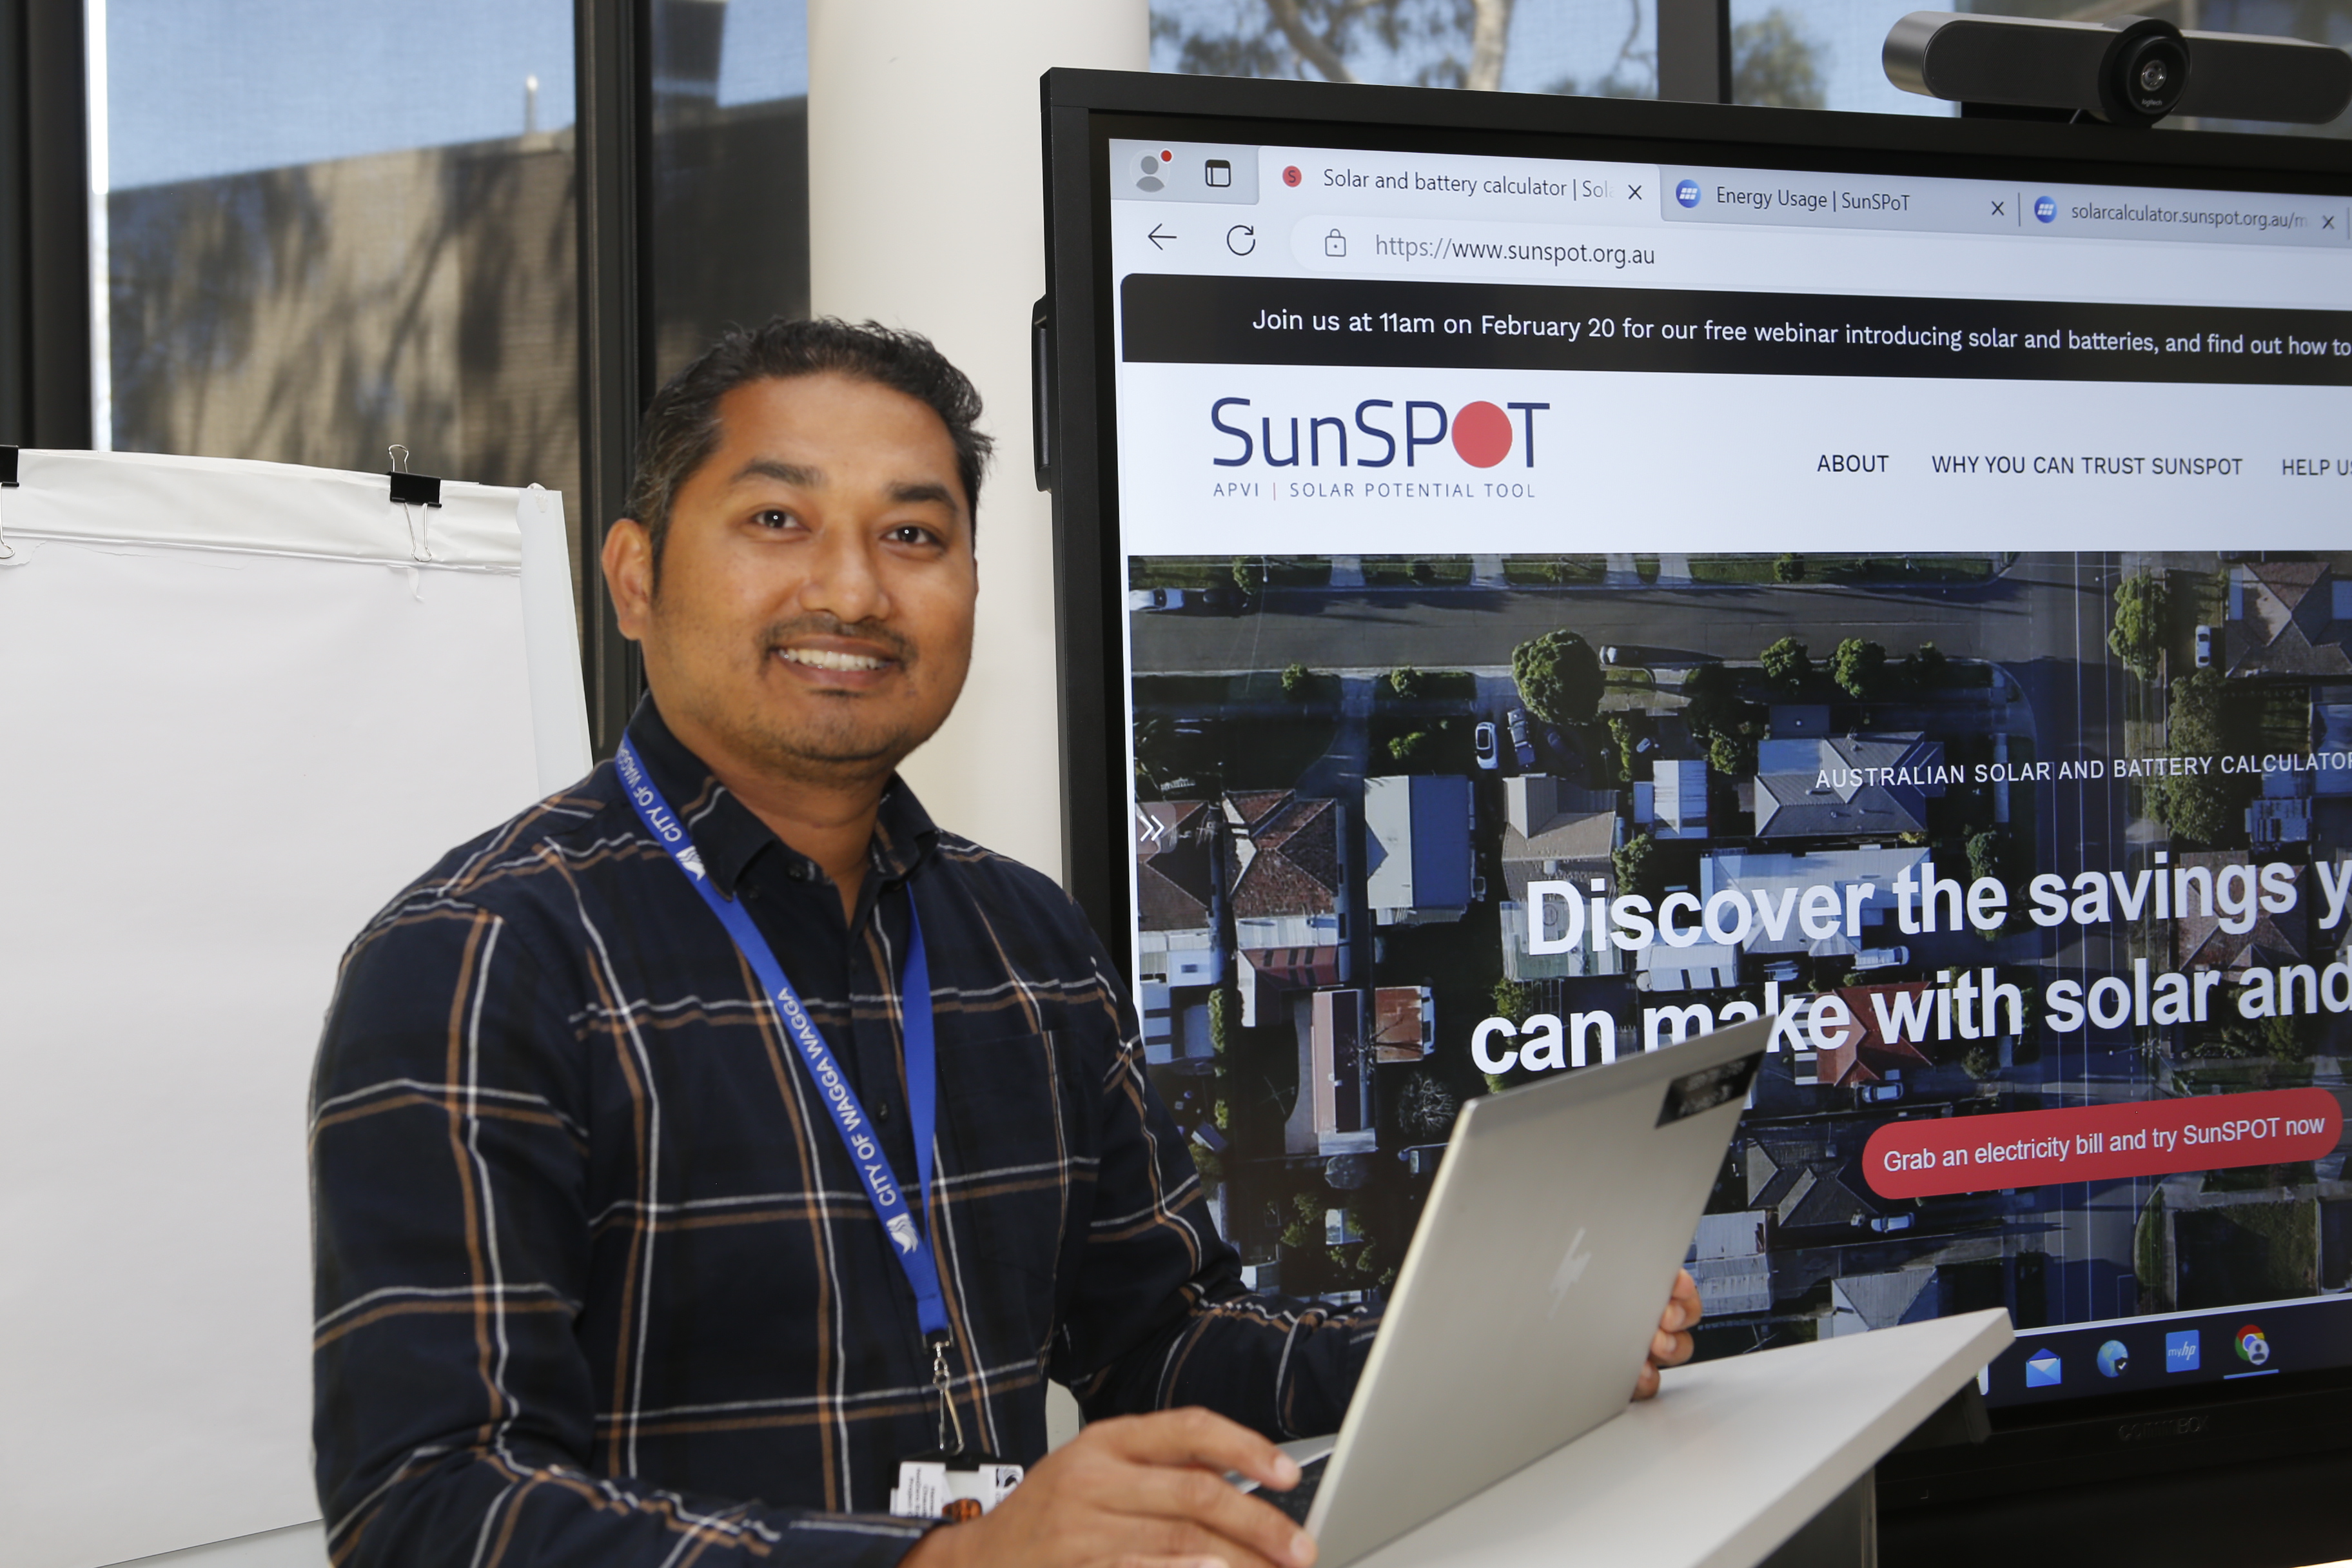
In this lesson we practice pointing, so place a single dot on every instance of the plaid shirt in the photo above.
(596, 1282)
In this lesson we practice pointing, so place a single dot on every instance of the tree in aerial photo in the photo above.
(1559, 677)
(2136, 636)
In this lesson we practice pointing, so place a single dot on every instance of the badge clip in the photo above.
(951, 1422)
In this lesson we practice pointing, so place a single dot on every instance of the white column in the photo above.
(925, 210)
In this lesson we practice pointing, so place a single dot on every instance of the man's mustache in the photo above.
(784, 633)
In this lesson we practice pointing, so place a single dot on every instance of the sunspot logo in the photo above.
(1480, 434)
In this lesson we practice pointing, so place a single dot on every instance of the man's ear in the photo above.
(628, 562)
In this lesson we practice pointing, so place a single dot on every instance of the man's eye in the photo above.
(773, 517)
(911, 534)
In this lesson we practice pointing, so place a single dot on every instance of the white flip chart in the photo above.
(241, 706)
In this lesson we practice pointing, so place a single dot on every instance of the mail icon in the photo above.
(2041, 1369)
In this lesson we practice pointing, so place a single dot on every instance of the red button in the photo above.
(1928, 1158)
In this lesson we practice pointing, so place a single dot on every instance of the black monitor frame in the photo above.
(2084, 1441)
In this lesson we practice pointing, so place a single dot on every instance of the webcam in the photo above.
(2127, 70)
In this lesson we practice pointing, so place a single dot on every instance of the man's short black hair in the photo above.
(681, 427)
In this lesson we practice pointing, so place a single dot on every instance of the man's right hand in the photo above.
(1139, 1491)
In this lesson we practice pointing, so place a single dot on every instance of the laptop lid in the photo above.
(1524, 1308)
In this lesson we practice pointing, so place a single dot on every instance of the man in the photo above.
(614, 1105)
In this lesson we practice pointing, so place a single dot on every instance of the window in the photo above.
(323, 227)
(1604, 47)
(728, 237)
(1819, 53)
(1793, 54)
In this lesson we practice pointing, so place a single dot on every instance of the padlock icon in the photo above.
(1335, 244)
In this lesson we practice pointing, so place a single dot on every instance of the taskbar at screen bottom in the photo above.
(2255, 1344)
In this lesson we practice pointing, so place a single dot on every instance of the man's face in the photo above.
(814, 609)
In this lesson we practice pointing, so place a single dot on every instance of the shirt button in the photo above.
(882, 1111)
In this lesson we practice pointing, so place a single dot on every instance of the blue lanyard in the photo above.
(849, 1118)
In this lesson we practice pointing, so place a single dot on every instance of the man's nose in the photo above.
(845, 580)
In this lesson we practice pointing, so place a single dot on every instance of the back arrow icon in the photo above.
(1158, 239)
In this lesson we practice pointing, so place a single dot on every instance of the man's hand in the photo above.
(1140, 1492)
(1672, 1344)
(1149, 1492)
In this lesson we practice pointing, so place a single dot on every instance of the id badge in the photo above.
(964, 1486)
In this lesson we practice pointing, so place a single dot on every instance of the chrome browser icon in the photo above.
(2252, 1347)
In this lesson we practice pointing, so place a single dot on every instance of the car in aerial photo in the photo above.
(1484, 745)
(1522, 747)
(1188, 601)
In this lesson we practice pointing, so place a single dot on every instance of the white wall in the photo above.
(926, 211)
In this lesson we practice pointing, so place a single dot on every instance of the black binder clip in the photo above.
(411, 490)
(416, 489)
(7, 481)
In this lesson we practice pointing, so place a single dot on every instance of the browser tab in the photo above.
(1765, 197)
(1435, 184)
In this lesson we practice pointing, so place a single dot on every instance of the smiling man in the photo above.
(698, 1146)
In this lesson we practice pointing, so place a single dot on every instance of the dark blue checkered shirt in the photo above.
(596, 1282)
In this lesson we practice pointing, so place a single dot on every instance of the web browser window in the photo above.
(1572, 604)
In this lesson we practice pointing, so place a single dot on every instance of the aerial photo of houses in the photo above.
(1362, 782)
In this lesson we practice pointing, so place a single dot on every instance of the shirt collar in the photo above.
(729, 837)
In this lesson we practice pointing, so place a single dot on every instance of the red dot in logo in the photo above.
(1291, 175)
(1481, 434)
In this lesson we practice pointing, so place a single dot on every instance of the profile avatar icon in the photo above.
(2253, 1348)
(1151, 180)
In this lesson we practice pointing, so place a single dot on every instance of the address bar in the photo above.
(1456, 247)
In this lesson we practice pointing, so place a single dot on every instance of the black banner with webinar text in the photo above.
(1192, 320)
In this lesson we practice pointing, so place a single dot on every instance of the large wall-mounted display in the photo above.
(1569, 583)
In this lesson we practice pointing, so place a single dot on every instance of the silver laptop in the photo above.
(1524, 1310)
